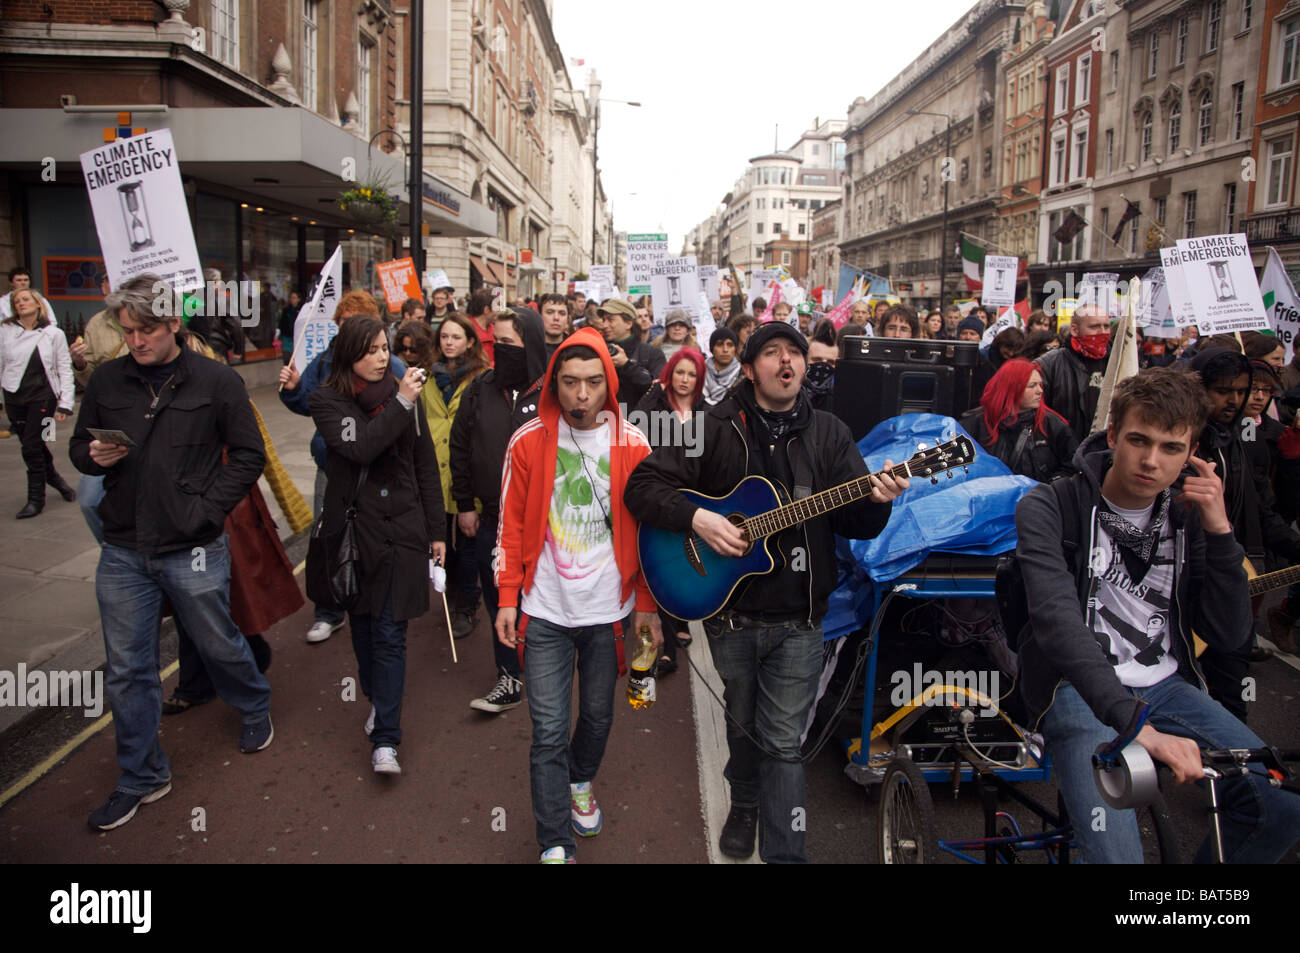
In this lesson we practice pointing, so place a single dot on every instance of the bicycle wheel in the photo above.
(905, 829)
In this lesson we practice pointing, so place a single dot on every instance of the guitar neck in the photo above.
(783, 517)
(1274, 580)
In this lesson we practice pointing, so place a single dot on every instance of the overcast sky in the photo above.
(716, 78)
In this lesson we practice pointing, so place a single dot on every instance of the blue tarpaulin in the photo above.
(972, 513)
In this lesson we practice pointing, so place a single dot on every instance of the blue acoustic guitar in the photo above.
(691, 581)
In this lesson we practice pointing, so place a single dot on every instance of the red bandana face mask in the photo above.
(1091, 345)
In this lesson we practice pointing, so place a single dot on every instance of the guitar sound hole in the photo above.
(738, 519)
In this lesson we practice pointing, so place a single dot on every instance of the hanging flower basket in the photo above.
(369, 204)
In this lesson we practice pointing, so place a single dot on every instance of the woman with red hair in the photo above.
(1013, 423)
(666, 415)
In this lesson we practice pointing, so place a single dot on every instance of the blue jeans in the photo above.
(555, 761)
(770, 676)
(89, 492)
(379, 644)
(320, 613)
(131, 588)
(1259, 823)
(485, 542)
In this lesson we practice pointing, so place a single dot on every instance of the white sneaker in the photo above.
(320, 631)
(384, 760)
(556, 855)
(370, 721)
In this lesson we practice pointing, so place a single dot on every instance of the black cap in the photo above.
(722, 334)
(765, 332)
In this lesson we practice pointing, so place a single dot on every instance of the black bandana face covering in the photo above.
(820, 379)
(511, 366)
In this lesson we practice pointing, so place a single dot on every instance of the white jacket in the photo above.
(16, 344)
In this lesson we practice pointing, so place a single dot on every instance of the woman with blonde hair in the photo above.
(678, 333)
(36, 377)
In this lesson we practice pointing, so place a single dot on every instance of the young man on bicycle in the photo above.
(1120, 565)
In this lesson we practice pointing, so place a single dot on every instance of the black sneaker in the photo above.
(737, 840)
(463, 622)
(121, 807)
(255, 737)
(507, 693)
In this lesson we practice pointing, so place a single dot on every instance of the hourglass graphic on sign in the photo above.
(1221, 281)
(135, 215)
(674, 290)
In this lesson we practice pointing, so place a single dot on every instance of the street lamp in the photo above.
(943, 239)
(595, 168)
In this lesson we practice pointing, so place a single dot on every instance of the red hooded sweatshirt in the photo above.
(528, 479)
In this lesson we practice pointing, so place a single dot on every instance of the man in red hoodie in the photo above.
(569, 579)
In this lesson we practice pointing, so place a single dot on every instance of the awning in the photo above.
(490, 270)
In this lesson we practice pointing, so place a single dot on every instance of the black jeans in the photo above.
(27, 421)
(485, 541)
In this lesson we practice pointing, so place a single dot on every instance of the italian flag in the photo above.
(972, 264)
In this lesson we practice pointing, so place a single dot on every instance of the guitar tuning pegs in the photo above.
(965, 469)
(921, 445)
(934, 479)
(949, 474)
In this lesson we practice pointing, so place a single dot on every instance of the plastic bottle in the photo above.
(641, 680)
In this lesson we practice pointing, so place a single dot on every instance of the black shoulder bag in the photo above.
(334, 562)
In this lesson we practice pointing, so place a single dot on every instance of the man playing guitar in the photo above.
(766, 643)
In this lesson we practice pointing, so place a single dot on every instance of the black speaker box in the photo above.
(878, 378)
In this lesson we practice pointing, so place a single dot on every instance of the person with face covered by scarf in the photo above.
(1072, 374)
(492, 408)
(722, 367)
(819, 379)
(1247, 497)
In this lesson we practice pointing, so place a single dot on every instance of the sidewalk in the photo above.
(49, 617)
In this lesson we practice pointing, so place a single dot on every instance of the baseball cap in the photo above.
(765, 332)
(617, 306)
(677, 316)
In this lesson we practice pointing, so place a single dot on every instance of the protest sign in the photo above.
(1008, 319)
(399, 281)
(704, 324)
(709, 282)
(591, 289)
(1100, 289)
(1155, 314)
(999, 280)
(1179, 302)
(1280, 302)
(603, 277)
(675, 284)
(315, 327)
(140, 212)
(1221, 284)
(643, 252)
(760, 286)
(434, 279)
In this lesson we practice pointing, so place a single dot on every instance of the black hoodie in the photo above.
(1210, 593)
(488, 416)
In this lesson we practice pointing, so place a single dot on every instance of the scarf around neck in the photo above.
(716, 382)
(374, 395)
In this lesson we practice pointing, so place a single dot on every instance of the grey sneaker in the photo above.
(507, 693)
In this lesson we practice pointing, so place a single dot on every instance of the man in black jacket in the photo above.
(166, 498)
(767, 641)
(1119, 567)
(1248, 498)
(636, 363)
(1072, 374)
(493, 407)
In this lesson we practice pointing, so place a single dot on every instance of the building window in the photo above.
(1024, 100)
(1105, 221)
(785, 258)
(803, 228)
(1230, 208)
(1079, 154)
(1246, 13)
(1083, 80)
(365, 53)
(1161, 210)
(777, 229)
(1062, 102)
(1180, 42)
(1153, 54)
(1213, 22)
(1011, 97)
(1072, 250)
(1110, 150)
(1290, 58)
(1133, 235)
(225, 31)
(1205, 120)
(1278, 190)
(310, 14)
(1114, 69)
(1175, 126)
(1056, 169)
(1144, 143)
(1189, 215)
(758, 228)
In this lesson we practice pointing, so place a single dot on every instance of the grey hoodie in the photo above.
(1211, 595)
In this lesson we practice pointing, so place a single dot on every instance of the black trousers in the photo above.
(27, 421)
